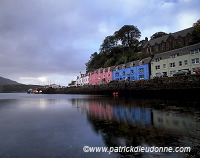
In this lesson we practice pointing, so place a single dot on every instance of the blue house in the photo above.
(132, 71)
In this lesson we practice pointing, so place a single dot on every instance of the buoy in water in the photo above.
(115, 93)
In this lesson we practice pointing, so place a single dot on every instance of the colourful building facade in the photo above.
(132, 71)
(100, 76)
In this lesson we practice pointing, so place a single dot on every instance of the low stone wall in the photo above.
(185, 84)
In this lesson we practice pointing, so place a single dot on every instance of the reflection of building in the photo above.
(174, 122)
(133, 114)
(81, 104)
(102, 111)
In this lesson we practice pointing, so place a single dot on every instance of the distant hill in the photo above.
(10, 86)
(5, 81)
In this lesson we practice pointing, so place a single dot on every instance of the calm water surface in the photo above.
(59, 126)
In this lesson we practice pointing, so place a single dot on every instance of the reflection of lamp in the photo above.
(42, 104)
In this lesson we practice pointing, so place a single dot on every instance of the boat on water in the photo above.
(34, 91)
(30, 91)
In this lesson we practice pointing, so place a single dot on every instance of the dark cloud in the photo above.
(54, 39)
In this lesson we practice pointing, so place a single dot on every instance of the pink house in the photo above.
(100, 76)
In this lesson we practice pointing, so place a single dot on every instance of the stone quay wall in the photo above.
(167, 85)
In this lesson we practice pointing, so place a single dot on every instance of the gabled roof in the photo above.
(134, 63)
(157, 40)
(182, 33)
(145, 60)
(180, 52)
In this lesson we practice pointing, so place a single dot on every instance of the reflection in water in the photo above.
(45, 126)
(144, 123)
(133, 115)
(175, 122)
(100, 111)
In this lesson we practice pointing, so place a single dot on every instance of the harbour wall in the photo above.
(180, 86)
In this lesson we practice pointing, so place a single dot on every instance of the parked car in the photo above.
(197, 70)
(182, 72)
(113, 81)
(160, 75)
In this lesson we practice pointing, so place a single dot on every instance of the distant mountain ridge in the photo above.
(4, 81)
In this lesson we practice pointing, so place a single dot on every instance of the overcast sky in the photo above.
(43, 41)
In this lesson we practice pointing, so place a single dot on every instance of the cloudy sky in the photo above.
(43, 41)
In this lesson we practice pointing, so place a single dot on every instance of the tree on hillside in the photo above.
(90, 65)
(113, 53)
(108, 44)
(157, 35)
(128, 35)
(196, 33)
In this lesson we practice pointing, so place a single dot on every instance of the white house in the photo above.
(82, 79)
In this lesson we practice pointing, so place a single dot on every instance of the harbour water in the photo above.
(60, 126)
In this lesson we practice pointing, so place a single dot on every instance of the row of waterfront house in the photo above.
(177, 53)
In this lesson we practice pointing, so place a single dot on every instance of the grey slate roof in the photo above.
(180, 52)
(134, 63)
(182, 33)
(146, 60)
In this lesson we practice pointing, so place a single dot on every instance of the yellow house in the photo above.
(168, 63)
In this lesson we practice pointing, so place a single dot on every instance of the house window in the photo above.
(195, 61)
(174, 44)
(157, 74)
(167, 45)
(193, 52)
(172, 65)
(174, 55)
(141, 77)
(157, 67)
(180, 63)
(141, 70)
(185, 62)
(108, 75)
(156, 48)
(163, 46)
(132, 71)
(164, 66)
(158, 59)
(117, 74)
(123, 72)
